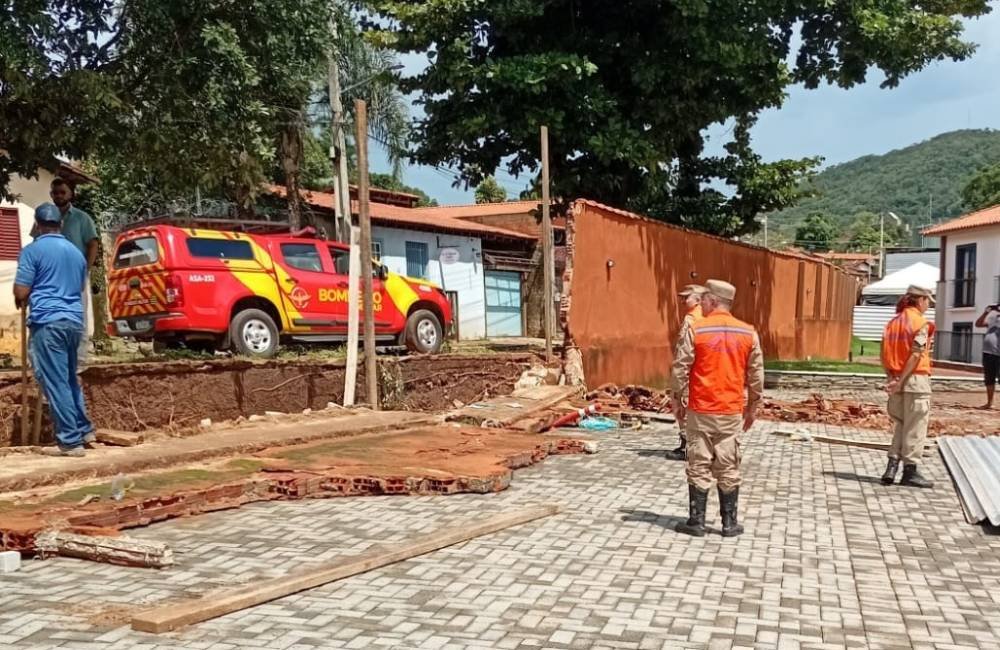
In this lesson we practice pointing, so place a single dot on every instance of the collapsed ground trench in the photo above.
(178, 395)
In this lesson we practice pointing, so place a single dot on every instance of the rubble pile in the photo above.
(611, 398)
(946, 419)
(827, 411)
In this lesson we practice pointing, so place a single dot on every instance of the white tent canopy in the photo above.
(895, 284)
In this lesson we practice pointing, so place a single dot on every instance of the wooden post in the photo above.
(364, 220)
(24, 376)
(351, 377)
(548, 262)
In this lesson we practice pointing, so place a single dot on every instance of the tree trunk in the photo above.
(99, 277)
(291, 162)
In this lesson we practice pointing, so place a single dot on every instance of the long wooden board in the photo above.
(167, 617)
(504, 411)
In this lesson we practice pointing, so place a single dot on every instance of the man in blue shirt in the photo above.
(50, 275)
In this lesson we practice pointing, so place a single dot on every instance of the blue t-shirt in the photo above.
(54, 269)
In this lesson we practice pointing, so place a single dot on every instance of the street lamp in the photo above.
(881, 236)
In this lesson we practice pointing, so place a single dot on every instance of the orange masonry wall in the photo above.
(621, 308)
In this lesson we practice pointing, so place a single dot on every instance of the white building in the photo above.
(16, 219)
(969, 281)
(488, 299)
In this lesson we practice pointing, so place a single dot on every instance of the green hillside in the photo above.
(906, 181)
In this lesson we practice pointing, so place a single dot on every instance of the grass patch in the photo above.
(861, 348)
(819, 365)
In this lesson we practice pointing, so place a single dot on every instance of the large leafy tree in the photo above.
(983, 190)
(628, 89)
(53, 89)
(217, 91)
(816, 233)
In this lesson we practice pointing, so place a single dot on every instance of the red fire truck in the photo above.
(209, 288)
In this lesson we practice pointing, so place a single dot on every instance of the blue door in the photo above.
(503, 303)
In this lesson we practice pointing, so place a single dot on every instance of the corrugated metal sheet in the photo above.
(974, 464)
(870, 320)
(899, 261)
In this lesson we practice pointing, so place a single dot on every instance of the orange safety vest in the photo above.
(897, 342)
(722, 346)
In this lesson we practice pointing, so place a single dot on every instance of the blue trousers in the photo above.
(53, 351)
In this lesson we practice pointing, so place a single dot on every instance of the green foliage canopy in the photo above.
(816, 233)
(490, 191)
(628, 89)
(983, 190)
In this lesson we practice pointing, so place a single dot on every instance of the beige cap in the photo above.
(721, 289)
(923, 292)
(690, 289)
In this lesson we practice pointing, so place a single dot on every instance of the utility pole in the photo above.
(338, 146)
(365, 266)
(548, 262)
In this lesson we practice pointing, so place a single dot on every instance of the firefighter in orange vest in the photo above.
(692, 313)
(719, 368)
(906, 357)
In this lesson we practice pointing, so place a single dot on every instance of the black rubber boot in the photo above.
(890, 471)
(697, 502)
(913, 478)
(728, 505)
(680, 453)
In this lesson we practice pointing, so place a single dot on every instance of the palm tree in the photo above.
(365, 73)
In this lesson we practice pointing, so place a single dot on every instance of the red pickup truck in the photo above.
(218, 289)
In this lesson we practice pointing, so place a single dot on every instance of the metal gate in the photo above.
(503, 304)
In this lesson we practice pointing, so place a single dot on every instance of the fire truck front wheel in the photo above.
(254, 334)
(424, 332)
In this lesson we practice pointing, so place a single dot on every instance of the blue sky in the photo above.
(838, 124)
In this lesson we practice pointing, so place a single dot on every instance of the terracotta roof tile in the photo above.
(847, 257)
(481, 209)
(393, 214)
(986, 217)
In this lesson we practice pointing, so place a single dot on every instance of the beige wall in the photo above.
(31, 193)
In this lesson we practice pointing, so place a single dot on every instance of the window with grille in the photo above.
(10, 234)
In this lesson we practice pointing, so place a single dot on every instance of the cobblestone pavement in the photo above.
(831, 559)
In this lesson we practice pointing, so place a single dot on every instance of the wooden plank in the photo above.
(365, 224)
(119, 438)
(548, 265)
(113, 550)
(168, 617)
(353, 278)
(523, 404)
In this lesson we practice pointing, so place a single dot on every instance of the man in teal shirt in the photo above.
(79, 229)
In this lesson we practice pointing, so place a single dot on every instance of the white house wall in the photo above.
(31, 193)
(987, 242)
(464, 276)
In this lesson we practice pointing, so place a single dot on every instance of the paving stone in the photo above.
(831, 558)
